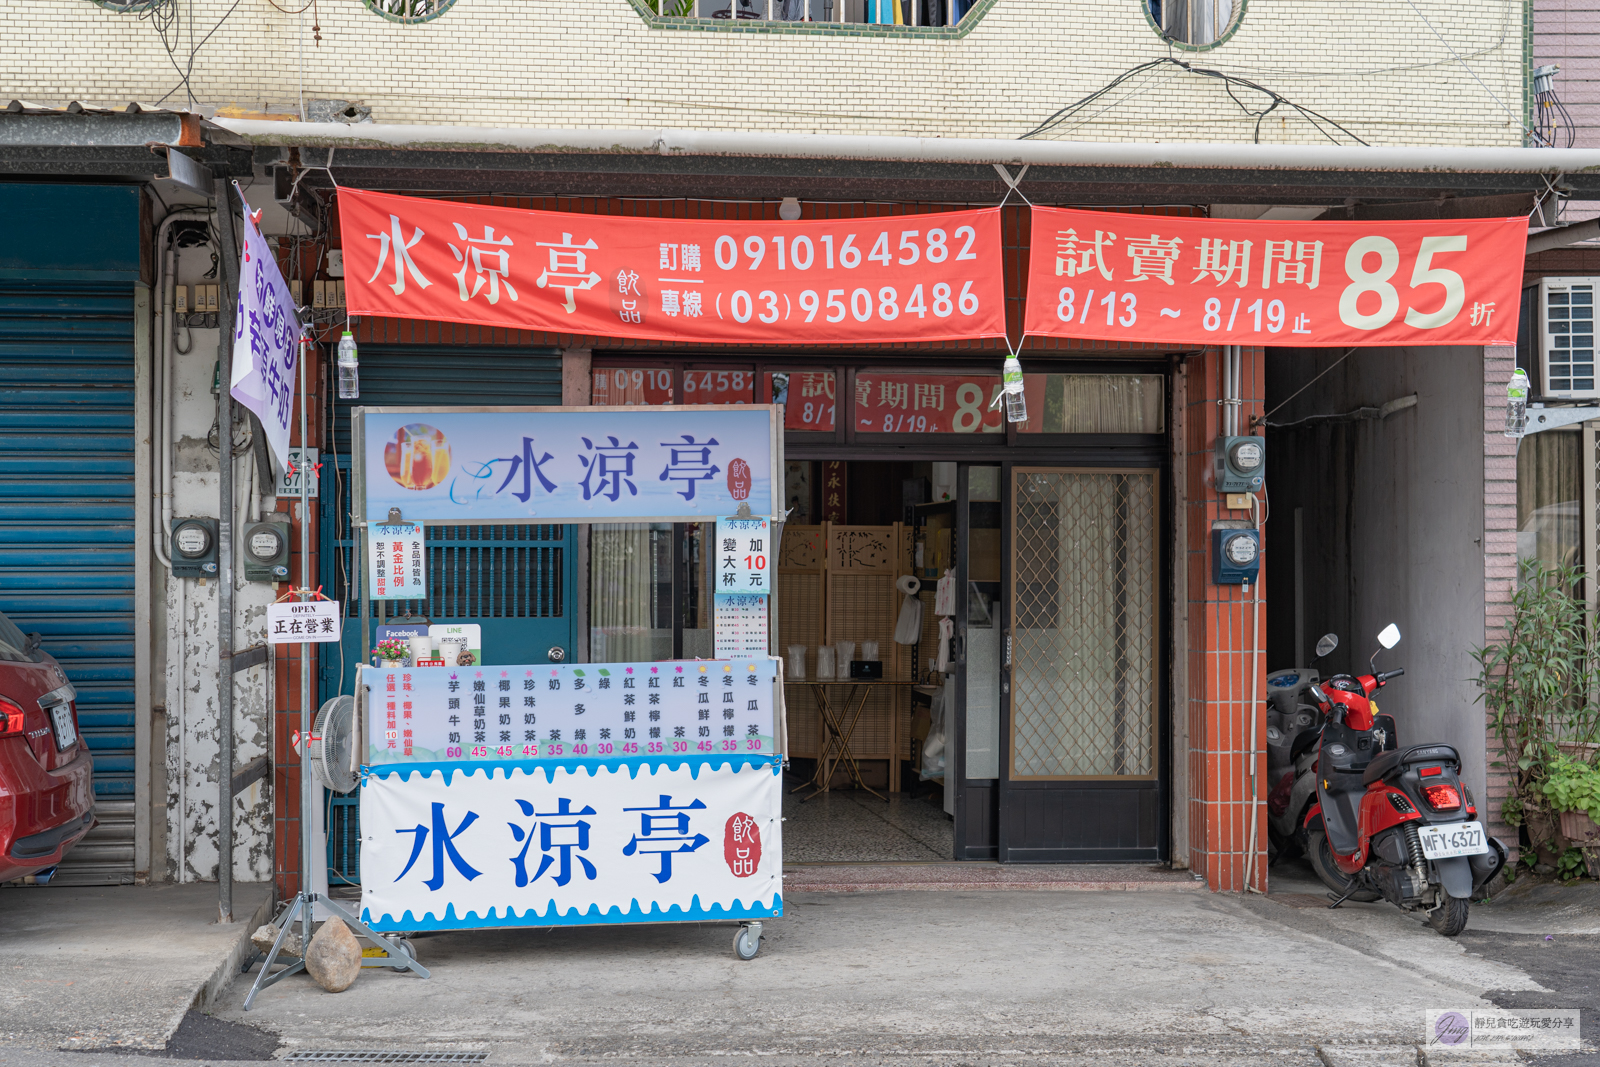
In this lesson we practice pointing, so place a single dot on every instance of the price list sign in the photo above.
(744, 556)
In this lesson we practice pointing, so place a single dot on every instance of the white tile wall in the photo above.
(1375, 66)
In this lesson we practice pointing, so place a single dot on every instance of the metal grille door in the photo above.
(67, 525)
(1084, 652)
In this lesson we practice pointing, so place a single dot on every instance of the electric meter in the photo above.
(1235, 556)
(194, 548)
(266, 551)
(1241, 464)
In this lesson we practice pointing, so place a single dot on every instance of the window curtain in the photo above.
(625, 578)
(1550, 498)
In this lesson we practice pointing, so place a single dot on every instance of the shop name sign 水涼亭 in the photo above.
(885, 278)
(1156, 278)
(553, 465)
(457, 716)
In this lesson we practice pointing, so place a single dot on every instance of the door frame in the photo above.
(1008, 788)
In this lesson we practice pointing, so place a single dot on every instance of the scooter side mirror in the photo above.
(1390, 636)
(1327, 644)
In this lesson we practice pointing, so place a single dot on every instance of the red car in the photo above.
(46, 796)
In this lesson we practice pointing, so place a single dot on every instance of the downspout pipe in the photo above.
(167, 263)
(678, 142)
(227, 249)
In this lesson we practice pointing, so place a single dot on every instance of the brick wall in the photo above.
(1226, 645)
(1370, 65)
(1499, 552)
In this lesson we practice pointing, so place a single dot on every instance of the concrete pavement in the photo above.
(996, 976)
(992, 976)
(114, 966)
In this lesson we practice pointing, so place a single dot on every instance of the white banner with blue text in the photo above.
(572, 844)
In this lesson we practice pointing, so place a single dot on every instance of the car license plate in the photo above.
(61, 719)
(1453, 839)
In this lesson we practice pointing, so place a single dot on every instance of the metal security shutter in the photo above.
(67, 523)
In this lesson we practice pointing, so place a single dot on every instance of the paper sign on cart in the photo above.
(740, 623)
(397, 561)
(596, 711)
(743, 556)
(291, 622)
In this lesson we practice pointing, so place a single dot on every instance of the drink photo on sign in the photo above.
(418, 457)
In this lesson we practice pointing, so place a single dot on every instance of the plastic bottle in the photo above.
(1517, 403)
(1011, 380)
(349, 369)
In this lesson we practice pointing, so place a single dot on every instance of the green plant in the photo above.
(393, 648)
(1573, 786)
(1540, 687)
(1571, 866)
(672, 8)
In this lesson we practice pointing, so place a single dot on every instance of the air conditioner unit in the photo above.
(1567, 337)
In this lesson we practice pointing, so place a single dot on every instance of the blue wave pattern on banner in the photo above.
(694, 764)
(573, 917)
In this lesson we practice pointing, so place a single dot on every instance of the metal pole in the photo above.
(306, 792)
(227, 306)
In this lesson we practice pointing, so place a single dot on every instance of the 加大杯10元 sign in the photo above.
(557, 465)
(743, 556)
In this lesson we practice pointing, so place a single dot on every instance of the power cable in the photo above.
(1229, 81)
(1468, 69)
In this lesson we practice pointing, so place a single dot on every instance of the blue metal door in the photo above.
(517, 582)
(67, 521)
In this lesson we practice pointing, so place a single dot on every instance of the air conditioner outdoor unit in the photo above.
(1567, 337)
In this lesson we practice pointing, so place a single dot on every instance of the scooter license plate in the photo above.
(1453, 839)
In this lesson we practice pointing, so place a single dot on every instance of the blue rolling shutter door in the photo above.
(67, 523)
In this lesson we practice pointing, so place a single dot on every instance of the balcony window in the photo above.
(858, 12)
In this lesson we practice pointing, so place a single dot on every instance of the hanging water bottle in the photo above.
(1011, 381)
(349, 369)
(1517, 404)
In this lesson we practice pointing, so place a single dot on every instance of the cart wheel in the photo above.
(405, 946)
(747, 942)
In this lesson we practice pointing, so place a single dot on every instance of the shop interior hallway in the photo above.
(854, 826)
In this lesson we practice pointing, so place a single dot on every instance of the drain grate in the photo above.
(365, 1055)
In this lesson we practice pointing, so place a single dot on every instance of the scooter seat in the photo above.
(1387, 762)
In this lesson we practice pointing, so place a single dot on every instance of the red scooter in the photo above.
(1396, 825)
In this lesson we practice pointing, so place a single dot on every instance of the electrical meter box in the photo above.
(1235, 557)
(194, 548)
(266, 552)
(1241, 464)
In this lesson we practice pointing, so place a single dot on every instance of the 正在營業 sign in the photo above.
(924, 277)
(396, 561)
(291, 622)
(569, 464)
(457, 716)
(566, 844)
(1157, 278)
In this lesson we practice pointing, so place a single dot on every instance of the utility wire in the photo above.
(1229, 81)
(1468, 69)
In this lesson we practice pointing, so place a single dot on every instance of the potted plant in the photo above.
(392, 651)
(1540, 685)
(1573, 791)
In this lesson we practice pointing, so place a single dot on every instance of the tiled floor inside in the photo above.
(853, 826)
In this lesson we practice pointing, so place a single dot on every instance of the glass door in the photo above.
(979, 622)
(1080, 666)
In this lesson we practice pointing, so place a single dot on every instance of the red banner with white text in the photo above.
(930, 277)
(1154, 278)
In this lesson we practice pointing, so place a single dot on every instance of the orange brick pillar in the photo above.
(1224, 635)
